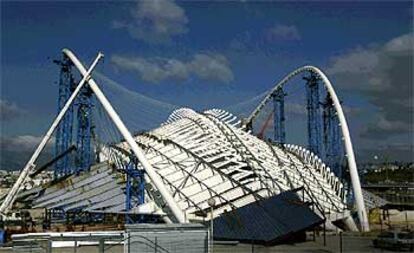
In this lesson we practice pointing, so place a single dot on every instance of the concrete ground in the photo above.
(351, 243)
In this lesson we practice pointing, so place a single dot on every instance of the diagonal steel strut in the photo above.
(12, 194)
(149, 169)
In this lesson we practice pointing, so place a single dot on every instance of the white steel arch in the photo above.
(356, 185)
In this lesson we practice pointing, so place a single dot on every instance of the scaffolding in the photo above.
(279, 118)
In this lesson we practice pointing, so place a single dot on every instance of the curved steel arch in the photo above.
(356, 185)
(150, 171)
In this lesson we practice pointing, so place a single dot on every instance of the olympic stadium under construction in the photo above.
(197, 167)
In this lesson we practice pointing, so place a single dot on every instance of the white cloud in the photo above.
(22, 142)
(296, 108)
(400, 44)
(383, 75)
(282, 33)
(9, 110)
(366, 61)
(212, 67)
(155, 21)
(16, 150)
(152, 70)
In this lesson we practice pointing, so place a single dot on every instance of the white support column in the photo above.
(12, 194)
(356, 184)
(152, 174)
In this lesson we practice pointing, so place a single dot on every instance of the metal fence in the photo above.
(77, 242)
(160, 243)
(142, 238)
(172, 238)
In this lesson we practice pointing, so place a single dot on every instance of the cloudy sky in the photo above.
(212, 54)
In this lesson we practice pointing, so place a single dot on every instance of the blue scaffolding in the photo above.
(64, 132)
(279, 116)
(135, 191)
(84, 132)
(314, 115)
(332, 137)
(64, 129)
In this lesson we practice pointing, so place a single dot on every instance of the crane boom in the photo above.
(265, 125)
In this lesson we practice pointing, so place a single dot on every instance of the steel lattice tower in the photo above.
(314, 115)
(332, 137)
(64, 129)
(84, 131)
(279, 116)
(135, 189)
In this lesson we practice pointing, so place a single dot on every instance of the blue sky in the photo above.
(158, 49)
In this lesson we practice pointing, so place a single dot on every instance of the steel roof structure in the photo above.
(204, 155)
(197, 156)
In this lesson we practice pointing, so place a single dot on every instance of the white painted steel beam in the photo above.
(150, 171)
(12, 194)
(236, 161)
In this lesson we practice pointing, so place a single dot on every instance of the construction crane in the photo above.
(265, 125)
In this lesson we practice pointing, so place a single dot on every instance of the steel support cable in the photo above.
(107, 125)
(219, 126)
(133, 121)
(300, 174)
(316, 179)
(332, 185)
(281, 163)
(247, 103)
(269, 95)
(120, 88)
(131, 98)
(156, 180)
(135, 105)
(308, 190)
(301, 162)
(275, 155)
(105, 131)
